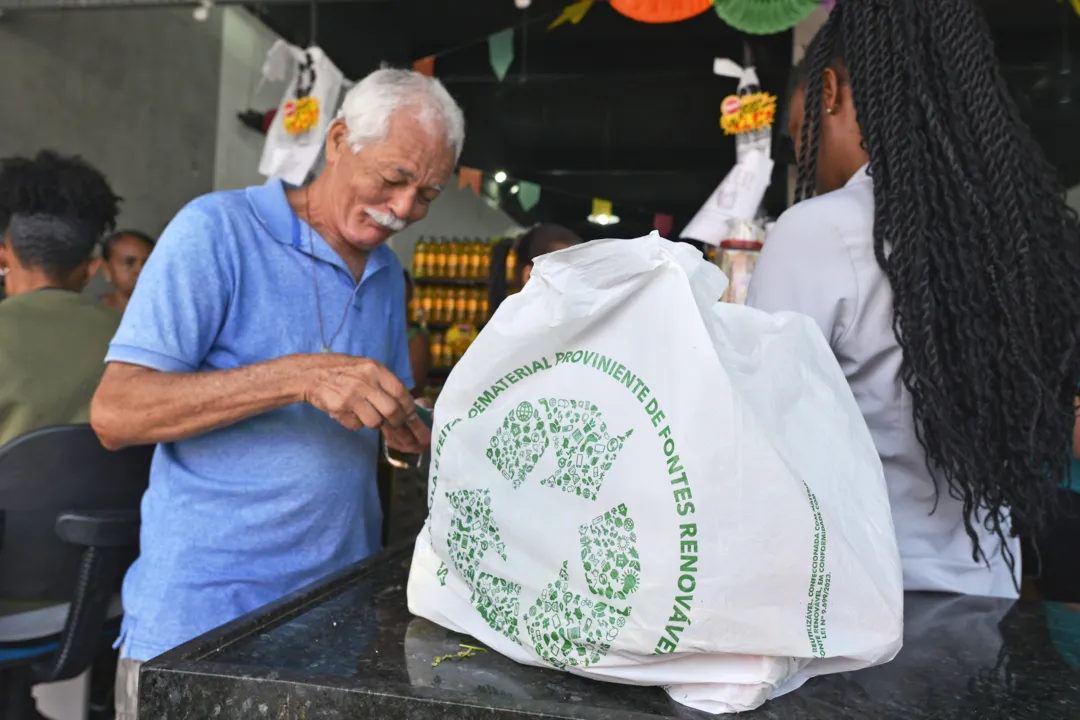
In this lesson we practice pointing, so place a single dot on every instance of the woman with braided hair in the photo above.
(933, 247)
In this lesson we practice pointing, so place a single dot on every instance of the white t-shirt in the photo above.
(819, 260)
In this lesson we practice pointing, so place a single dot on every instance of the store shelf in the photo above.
(435, 327)
(452, 282)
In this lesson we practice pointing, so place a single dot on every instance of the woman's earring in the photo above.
(3, 271)
(829, 111)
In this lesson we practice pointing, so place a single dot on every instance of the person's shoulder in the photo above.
(95, 308)
(214, 208)
(209, 225)
(847, 211)
(76, 308)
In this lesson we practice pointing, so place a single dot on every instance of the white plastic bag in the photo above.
(295, 138)
(633, 482)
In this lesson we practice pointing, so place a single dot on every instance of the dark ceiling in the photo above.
(628, 111)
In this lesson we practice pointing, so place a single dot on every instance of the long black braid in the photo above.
(982, 253)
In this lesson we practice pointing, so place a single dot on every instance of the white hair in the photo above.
(369, 105)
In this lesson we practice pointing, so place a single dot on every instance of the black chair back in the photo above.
(51, 473)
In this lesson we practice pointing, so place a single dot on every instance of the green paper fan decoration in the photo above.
(764, 17)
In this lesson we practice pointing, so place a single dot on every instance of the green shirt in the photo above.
(52, 356)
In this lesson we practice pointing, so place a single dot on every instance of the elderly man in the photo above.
(263, 348)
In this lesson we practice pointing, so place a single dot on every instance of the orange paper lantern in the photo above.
(660, 11)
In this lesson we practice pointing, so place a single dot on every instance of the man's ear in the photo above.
(337, 141)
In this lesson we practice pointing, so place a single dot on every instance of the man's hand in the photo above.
(359, 393)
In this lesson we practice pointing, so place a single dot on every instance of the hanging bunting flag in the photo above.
(572, 13)
(471, 177)
(425, 66)
(501, 51)
(662, 223)
(1075, 5)
(528, 195)
(601, 207)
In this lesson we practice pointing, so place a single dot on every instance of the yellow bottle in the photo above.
(511, 266)
(485, 309)
(453, 256)
(451, 306)
(465, 261)
(438, 305)
(485, 261)
(437, 349)
(437, 259)
(461, 302)
(472, 307)
(419, 258)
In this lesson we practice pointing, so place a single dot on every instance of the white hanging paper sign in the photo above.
(296, 135)
(736, 199)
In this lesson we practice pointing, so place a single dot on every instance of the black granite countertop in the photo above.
(348, 648)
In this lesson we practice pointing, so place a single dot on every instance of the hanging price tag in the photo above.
(747, 113)
(300, 115)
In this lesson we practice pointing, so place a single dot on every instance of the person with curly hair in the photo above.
(933, 247)
(53, 339)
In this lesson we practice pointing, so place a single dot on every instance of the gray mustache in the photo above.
(389, 221)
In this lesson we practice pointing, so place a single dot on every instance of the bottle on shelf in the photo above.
(437, 343)
(511, 265)
(446, 357)
(475, 251)
(426, 303)
(438, 266)
(438, 305)
(419, 262)
(462, 306)
(472, 307)
(453, 260)
(485, 261)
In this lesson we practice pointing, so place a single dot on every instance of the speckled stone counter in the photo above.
(348, 648)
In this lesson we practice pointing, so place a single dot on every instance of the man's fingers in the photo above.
(368, 413)
(396, 389)
(349, 420)
(389, 408)
(419, 430)
(402, 440)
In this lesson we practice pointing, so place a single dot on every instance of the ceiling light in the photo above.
(522, 4)
(513, 190)
(500, 177)
(604, 219)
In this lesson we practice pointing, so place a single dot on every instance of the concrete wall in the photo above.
(133, 91)
(244, 44)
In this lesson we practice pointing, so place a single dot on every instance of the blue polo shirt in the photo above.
(241, 516)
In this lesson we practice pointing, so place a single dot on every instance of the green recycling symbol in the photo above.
(567, 629)
(584, 447)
